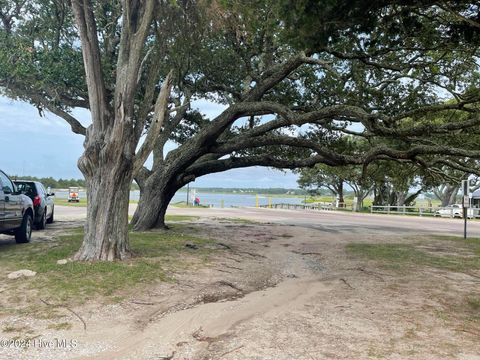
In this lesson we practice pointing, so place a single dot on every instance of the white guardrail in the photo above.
(385, 209)
(425, 211)
(313, 206)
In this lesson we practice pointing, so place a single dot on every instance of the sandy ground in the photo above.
(284, 289)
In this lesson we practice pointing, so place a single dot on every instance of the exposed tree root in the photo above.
(346, 283)
(66, 307)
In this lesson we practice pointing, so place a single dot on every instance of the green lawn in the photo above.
(407, 255)
(169, 218)
(156, 255)
(366, 203)
(183, 205)
(175, 218)
(64, 202)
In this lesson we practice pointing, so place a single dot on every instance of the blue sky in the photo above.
(45, 146)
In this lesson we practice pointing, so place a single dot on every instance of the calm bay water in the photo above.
(229, 200)
(213, 199)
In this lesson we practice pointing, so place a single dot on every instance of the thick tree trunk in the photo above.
(447, 194)
(381, 194)
(341, 199)
(106, 228)
(411, 198)
(392, 198)
(401, 197)
(358, 204)
(152, 206)
(453, 196)
(110, 158)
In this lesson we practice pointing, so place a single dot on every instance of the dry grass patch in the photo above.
(157, 255)
(441, 252)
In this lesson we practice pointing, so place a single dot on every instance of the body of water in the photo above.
(211, 199)
(215, 199)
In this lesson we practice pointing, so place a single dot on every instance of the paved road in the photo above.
(330, 221)
(339, 221)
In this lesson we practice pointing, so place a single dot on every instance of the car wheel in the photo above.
(24, 232)
(43, 222)
(50, 219)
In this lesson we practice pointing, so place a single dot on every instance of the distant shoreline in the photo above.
(234, 191)
(207, 191)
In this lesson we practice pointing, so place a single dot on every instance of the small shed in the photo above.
(476, 199)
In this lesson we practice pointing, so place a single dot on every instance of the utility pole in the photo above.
(466, 205)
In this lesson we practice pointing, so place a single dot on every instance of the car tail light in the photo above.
(36, 200)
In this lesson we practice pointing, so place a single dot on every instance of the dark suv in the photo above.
(16, 211)
(42, 201)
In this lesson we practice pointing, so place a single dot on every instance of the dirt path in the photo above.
(279, 292)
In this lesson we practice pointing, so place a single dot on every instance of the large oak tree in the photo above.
(61, 55)
(293, 89)
(137, 64)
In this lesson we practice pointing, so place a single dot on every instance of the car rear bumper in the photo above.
(38, 214)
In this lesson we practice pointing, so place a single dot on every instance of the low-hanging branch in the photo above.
(331, 158)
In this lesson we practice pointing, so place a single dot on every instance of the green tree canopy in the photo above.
(289, 97)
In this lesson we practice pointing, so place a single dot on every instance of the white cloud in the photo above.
(45, 146)
(208, 108)
(256, 176)
(35, 145)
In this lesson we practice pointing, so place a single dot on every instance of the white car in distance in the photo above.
(454, 211)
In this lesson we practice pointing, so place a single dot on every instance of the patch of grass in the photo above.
(163, 243)
(442, 315)
(474, 303)
(181, 218)
(60, 326)
(11, 328)
(374, 352)
(348, 200)
(399, 256)
(183, 204)
(470, 243)
(465, 310)
(40, 312)
(170, 218)
(65, 202)
(238, 220)
(156, 254)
